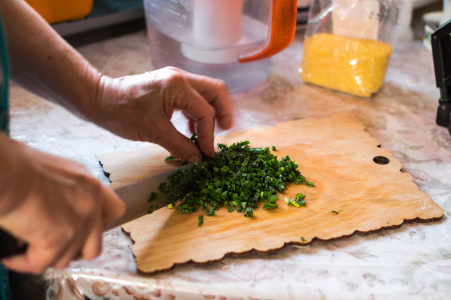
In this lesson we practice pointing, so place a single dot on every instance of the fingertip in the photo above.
(206, 145)
(225, 122)
(208, 149)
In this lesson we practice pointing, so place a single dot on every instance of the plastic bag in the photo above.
(348, 44)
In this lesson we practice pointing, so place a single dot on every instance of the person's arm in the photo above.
(135, 107)
(42, 62)
(53, 204)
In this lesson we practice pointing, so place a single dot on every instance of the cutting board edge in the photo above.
(284, 244)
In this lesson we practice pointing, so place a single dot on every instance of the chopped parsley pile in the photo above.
(239, 177)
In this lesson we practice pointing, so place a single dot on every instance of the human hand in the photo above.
(140, 107)
(54, 205)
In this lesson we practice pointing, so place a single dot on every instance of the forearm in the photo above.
(42, 62)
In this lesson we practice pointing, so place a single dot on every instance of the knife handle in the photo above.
(9, 245)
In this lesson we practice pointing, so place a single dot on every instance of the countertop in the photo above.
(412, 261)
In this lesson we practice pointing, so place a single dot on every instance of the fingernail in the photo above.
(194, 159)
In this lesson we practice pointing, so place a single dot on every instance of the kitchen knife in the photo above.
(134, 195)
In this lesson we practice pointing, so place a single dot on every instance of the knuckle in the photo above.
(209, 113)
(176, 79)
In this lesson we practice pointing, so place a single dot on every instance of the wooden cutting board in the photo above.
(352, 193)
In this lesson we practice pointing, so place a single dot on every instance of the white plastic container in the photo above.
(227, 39)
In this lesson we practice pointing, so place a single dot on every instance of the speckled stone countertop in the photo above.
(411, 261)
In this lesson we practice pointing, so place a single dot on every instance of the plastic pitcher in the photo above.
(227, 39)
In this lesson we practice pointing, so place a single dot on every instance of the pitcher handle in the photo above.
(283, 27)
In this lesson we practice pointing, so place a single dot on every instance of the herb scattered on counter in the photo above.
(200, 220)
(302, 239)
(336, 211)
(239, 177)
(274, 148)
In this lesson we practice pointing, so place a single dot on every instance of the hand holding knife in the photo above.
(134, 196)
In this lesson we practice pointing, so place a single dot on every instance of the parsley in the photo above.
(200, 220)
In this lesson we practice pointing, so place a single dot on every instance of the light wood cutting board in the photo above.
(336, 153)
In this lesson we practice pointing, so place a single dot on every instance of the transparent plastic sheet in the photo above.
(348, 44)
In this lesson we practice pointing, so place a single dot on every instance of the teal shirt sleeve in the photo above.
(5, 291)
(4, 78)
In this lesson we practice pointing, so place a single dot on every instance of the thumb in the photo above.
(179, 145)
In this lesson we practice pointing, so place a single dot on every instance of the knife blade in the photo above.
(134, 195)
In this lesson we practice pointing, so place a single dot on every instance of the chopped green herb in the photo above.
(170, 206)
(274, 148)
(298, 200)
(302, 239)
(238, 177)
(336, 211)
(309, 183)
(200, 220)
(151, 209)
(295, 204)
